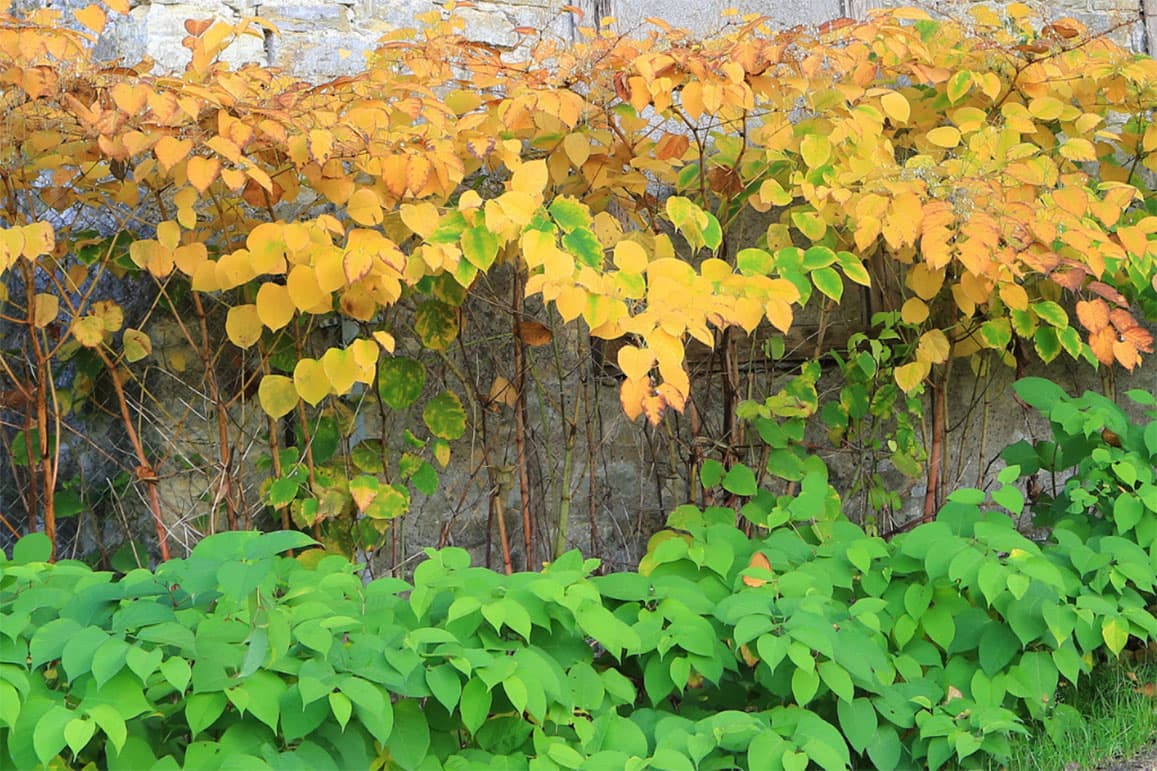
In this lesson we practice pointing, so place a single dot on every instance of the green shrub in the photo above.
(809, 643)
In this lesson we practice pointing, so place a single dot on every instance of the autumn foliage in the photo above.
(987, 181)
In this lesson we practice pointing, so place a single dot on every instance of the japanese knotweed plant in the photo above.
(806, 643)
(982, 179)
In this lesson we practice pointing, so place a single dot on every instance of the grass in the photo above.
(1110, 716)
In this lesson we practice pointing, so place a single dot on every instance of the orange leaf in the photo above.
(197, 27)
(202, 171)
(1102, 342)
(631, 396)
(1093, 314)
(502, 392)
(533, 333)
(170, 151)
(759, 561)
(93, 17)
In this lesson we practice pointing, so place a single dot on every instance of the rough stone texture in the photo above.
(706, 16)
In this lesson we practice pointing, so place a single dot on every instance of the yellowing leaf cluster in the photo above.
(989, 175)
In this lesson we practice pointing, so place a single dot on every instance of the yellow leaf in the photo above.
(385, 340)
(304, 290)
(630, 256)
(577, 148)
(1046, 108)
(635, 362)
(816, 150)
(530, 178)
(924, 281)
(310, 381)
(232, 269)
(1014, 296)
(502, 392)
(93, 17)
(131, 99)
(944, 136)
(88, 331)
(275, 307)
(909, 376)
(202, 171)
(137, 345)
(111, 315)
(421, 218)
(933, 347)
(780, 314)
(365, 353)
(341, 369)
(356, 265)
(320, 145)
(518, 206)
(243, 325)
(915, 311)
(896, 106)
(364, 207)
(1078, 149)
(45, 308)
(39, 239)
(277, 395)
(571, 302)
(169, 234)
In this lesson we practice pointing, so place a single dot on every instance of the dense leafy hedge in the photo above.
(810, 643)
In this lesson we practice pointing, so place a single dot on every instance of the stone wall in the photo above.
(324, 38)
(629, 476)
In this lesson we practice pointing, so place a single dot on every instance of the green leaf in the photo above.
(584, 245)
(281, 492)
(998, 646)
(76, 657)
(400, 381)
(837, 679)
(475, 705)
(48, 736)
(177, 672)
(445, 684)
(1039, 393)
(996, 333)
(754, 262)
(109, 660)
(111, 722)
(1052, 313)
(480, 247)
(1127, 511)
(1115, 632)
(341, 707)
(828, 281)
(373, 706)
(1047, 344)
(570, 214)
(34, 547)
(436, 324)
(740, 480)
(938, 624)
(444, 416)
(858, 722)
(804, 684)
(917, 597)
(202, 710)
(885, 749)
(77, 734)
(710, 472)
